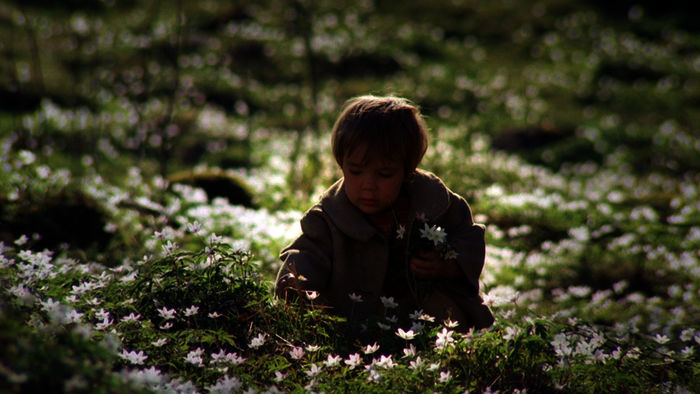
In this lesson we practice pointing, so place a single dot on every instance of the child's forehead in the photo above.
(362, 156)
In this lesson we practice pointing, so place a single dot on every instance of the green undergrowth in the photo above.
(205, 320)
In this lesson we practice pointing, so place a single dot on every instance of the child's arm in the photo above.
(307, 260)
(430, 265)
(466, 238)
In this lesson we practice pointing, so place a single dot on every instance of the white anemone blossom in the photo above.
(433, 233)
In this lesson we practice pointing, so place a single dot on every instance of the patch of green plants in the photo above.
(203, 320)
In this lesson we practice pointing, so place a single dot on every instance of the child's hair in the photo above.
(389, 127)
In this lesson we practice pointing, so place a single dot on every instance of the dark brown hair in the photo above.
(389, 126)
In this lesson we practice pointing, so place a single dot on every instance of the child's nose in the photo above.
(370, 183)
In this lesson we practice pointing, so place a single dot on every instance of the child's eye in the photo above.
(386, 174)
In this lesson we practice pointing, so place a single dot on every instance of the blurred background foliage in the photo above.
(539, 77)
(549, 116)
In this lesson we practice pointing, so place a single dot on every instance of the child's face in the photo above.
(372, 185)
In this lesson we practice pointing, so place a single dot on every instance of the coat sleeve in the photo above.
(306, 262)
(467, 238)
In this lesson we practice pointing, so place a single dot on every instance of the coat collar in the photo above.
(428, 196)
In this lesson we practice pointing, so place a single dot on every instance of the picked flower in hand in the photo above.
(429, 257)
(425, 237)
(433, 233)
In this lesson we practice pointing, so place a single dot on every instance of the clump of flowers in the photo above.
(427, 237)
(424, 237)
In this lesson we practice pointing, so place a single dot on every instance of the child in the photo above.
(354, 250)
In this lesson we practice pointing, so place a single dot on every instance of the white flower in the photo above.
(50, 305)
(633, 353)
(450, 324)
(131, 317)
(355, 297)
(445, 376)
(82, 288)
(279, 376)
(273, 390)
(226, 385)
(73, 316)
(388, 302)
(417, 327)
(353, 360)
(311, 385)
(688, 351)
(23, 293)
(194, 228)
(369, 349)
(191, 311)
(407, 335)
(71, 299)
(687, 334)
(104, 324)
(433, 233)
(332, 361)
(511, 333)
(166, 313)
(218, 357)
(147, 377)
(166, 326)
(296, 353)
(164, 235)
(416, 314)
(313, 370)
(374, 376)
(128, 278)
(426, 317)
(383, 326)
(133, 356)
(194, 357)
(214, 239)
(561, 345)
(311, 295)
(409, 352)
(214, 315)
(21, 240)
(400, 232)
(235, 359)
(94, 301)
(160, 342)
(417, 363)
(450, 255)
(386, 362)
(258, 341)
(169, 247)
(600, 355)
(198, 351)
(616, 354)
(661, 339)
(444, 338)
(312, 348)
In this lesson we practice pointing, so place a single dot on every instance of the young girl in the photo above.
(355, 249)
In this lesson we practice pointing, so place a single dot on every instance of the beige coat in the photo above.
(340, 252)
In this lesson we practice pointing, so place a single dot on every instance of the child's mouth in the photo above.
(368, 202)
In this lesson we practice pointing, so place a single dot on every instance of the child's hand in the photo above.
(431, 265)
